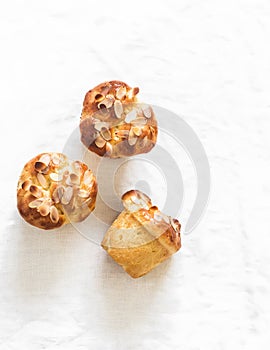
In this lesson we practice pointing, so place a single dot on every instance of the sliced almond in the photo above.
(99, 97)
(45, 158)
(137, 130)
(131, 116)
(75, 179)
(100, 142)
(139, 121)
(144, 141)
(77, 168)
(58, 194)
(54, 215)
(106, 103)
(44, 209)
(132, 139)
(121, 92)
(99, 125)
(118, 109)
(83, 194)
(109, 149)
(88, 178)
(40, 166)
(106, 134)
(56, 159)
(67, 195)
(26, 185)
(36, 203)
(35, 191)
(147, 111)
(56, 177)
(132, 92)
(42, 180)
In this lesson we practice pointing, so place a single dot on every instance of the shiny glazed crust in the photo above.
(53, 191)
(141, 237)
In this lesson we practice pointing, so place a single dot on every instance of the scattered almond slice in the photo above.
(74, 178)
(36, 203)
(139, 121)
(83, 194)
(100, 142)
(44, 209)
(88, 178)
(45, 158)
(131, 116)
(137, 130)
(105, 133)
(54, 215)
(99, 125)
(40, 167)
(132, 92)
(42, 180)
(67, 196)
(26, 185)
(121, 92)
(118, 109)
(56, 159)
(56, 177)
(132, 139)
(58, 194)
(35, 191)
(99, 97)
(147, 111)
(109, 149)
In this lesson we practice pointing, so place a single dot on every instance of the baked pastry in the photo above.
(113, 123)
(53, 191)
(141, 237)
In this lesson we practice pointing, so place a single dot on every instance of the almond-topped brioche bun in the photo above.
(53, 191)
(114, 124)
(142, 236)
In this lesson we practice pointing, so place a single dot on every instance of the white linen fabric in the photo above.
(209, 61)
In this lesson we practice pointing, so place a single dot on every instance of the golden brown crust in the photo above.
(113, 123)
(142, 236)
(53, 191)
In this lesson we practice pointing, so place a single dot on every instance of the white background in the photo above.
(209, 61)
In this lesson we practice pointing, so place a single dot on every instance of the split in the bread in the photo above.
(114, 124)
(53, 191)
(142, 236)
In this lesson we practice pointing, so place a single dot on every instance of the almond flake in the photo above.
(56, 177)
(99, 125)
(56, 159)
(99, 97)
(26, 185)
(74, 178)
(42, 180)
(121, 92)
(88, 178)
(40, 166)
(45, 158)
(54, 215)
(83, 194)
(118, 109)
(137, 130)
(106, 134)
(44, 209)
(109, 149)
(132, 139)
(58, 194)
(67, 195)
(35, 191)
(100, 142)
(139, 121)
(36, 203)
(147, 112)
